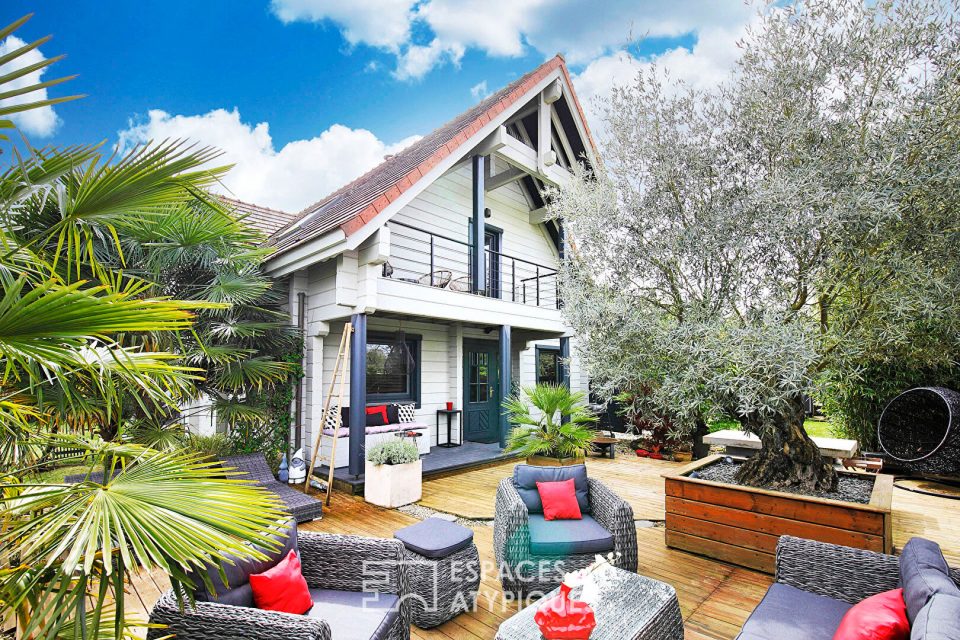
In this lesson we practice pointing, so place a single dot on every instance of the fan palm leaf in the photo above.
(549, 420)
(6, 93)
(169, 510)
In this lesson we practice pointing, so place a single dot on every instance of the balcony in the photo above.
(444, 262)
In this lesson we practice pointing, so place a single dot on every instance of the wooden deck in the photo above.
(715, 598)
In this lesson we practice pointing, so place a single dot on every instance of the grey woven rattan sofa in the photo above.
(358, 586)
(533, 554)
(816, 584)
(301, 506)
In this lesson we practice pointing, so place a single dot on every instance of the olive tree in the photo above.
(742, 244)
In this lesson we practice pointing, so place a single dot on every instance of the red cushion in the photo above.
(282, 588)
(559, 500)
(879, 617)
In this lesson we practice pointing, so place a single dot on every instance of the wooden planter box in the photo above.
(741, 525)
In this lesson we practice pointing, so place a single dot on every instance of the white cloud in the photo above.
(417, 60)
(709, 62)
(479, 91)
(41, 122)
(380, 23)
(298, 174)
(493, 26)
(582, 30)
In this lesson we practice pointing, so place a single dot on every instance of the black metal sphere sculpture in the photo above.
(920, 428)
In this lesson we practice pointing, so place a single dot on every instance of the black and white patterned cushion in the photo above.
(406, 412)
(332, 416)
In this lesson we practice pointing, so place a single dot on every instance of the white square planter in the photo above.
(393, 485)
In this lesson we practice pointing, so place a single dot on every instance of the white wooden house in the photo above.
(443, 261)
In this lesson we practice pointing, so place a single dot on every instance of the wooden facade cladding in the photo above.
(741, 525)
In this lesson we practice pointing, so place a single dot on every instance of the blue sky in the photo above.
(305, 94)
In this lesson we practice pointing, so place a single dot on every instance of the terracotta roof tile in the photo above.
(360, 200)
(264, 219)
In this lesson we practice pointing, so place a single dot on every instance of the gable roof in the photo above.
(358, 202)
(264, 219)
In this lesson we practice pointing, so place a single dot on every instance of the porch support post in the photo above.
(478, 264)
(565, 368)
(358, 392)
(562, 237)
(506, 366)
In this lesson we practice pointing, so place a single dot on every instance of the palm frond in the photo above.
(252, 372)
(21, 71)
(549, 421)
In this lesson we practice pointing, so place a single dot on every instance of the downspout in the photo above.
(298, 415)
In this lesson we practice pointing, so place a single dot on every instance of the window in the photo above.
(393, 368)
(479, 376)
(549, 369)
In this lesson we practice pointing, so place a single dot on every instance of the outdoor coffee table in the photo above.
(631, 607)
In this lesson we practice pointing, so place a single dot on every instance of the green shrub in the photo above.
(216, 446)
(395, 452)
(854, 403)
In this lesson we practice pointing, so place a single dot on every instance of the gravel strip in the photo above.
(422, 513)
(849, 489)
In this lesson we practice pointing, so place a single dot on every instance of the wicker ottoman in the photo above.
(443, 570)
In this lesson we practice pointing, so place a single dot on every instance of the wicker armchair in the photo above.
(301, 506)
(522, 572)
(333, 563)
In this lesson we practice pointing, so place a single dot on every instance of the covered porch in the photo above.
(440, 461)
(426, 363)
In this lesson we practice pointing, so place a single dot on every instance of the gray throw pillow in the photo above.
(939, 620)
(923, 573)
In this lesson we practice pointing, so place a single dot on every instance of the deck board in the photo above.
(715, 598)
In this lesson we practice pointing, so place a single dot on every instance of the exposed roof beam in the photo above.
(538, 216)
(492, 143)
(562, 135)
(543, 135)
(522, 157)
(553, 91)
(504, 177)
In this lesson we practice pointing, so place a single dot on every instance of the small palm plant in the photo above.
(560, 428)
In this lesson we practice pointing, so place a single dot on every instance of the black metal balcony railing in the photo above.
(440, 261)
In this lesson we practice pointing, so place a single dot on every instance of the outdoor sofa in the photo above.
(533, 553)
(817, 583)
(374, 434)
(357, 584)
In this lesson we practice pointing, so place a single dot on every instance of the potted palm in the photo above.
(552, 425)
(393, 473)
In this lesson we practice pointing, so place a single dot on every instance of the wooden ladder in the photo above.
(337, 380)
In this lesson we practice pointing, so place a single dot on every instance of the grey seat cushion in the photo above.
(788, 613)
(923, 573)
(525, 478)
(237, 589)
(355, 615)
(435, 538)
(938, 620)
(567, 537)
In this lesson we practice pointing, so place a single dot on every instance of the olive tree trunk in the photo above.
(788, 458)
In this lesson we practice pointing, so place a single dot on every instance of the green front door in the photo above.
(481, 380)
